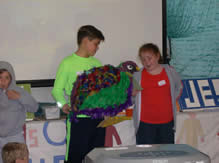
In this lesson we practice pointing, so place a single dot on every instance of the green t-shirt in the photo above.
(67, 73)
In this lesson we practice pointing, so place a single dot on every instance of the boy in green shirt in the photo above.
(84, 135)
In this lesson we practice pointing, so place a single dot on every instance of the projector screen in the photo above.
(35, 35)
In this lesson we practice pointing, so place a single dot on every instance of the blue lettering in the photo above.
(59, 158)
(215, 93)
(200, 93)
(45, 133)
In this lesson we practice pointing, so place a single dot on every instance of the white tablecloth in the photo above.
(46, 139)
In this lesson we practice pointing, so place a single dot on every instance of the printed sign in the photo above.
(46, 141)
(200, 94)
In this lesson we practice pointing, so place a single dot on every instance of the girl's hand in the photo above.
(135, 92)
(13, 95)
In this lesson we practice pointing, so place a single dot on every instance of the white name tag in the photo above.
(162, 82)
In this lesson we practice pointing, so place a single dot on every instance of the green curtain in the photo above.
(193, 27)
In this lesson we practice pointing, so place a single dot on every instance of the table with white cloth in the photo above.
(46, 139)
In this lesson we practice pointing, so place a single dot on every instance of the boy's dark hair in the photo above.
(13, 151)
(89, 31)
(150, 47)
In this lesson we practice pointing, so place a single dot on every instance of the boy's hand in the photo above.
(13, 95)
(66, 109)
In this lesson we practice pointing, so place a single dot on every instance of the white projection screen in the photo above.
(35, 35)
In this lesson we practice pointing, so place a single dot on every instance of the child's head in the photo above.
(5, 78)
(149, 55)
(89, 38)
(15, 153)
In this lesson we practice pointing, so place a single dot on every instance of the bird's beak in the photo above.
(137, 68)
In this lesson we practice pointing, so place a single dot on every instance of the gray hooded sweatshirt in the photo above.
(175, 89)
(13, 112)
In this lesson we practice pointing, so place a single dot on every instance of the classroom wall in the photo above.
(43, 94)
(37, 35)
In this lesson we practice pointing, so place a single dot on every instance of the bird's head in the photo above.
(129, 66)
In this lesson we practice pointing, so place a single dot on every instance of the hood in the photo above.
(9, 68)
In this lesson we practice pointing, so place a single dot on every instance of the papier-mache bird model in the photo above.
(103, 91)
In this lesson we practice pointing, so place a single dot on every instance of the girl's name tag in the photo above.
(162, 82)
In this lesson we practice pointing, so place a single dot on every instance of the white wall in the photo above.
(42, 94)
(36, 35)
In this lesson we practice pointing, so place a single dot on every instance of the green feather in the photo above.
(116, 94)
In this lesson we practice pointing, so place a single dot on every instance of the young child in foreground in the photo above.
(15, 153)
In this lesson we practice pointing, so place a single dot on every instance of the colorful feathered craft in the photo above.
(103, 91)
